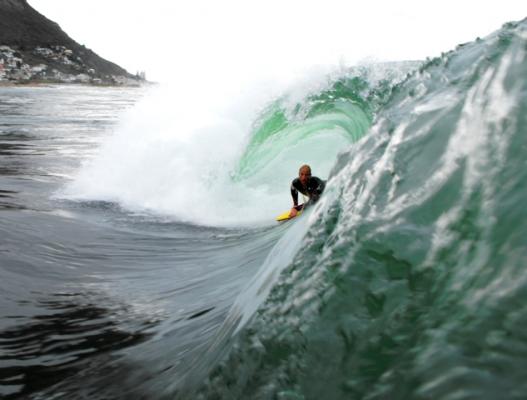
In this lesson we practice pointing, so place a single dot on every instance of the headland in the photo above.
(34, 50)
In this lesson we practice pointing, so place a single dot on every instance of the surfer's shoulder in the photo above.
(317, 180)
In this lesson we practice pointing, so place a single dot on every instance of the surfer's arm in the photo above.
(321, 186)
(294, 195)
(318, 190)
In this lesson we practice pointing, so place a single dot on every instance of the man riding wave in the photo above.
(308, 185)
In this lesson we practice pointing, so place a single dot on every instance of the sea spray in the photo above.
(209, 160)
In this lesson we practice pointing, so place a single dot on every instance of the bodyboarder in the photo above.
(308, 185)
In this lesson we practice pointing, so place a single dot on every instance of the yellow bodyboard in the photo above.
(285, 216)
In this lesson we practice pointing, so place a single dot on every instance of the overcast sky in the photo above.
(272, 37)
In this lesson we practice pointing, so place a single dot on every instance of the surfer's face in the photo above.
(304, 174)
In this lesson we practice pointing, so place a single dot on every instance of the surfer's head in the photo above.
(304, 173)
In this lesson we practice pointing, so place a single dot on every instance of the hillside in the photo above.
(33, 48)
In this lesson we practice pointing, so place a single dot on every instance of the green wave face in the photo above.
(312, 132)
(409, 282)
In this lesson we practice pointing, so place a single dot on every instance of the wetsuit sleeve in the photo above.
(318, 189)
(321, 186)
(294, 194)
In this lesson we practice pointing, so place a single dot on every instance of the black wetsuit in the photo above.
(314, 188)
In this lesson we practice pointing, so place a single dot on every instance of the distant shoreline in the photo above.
(56, 64)
(44, 83)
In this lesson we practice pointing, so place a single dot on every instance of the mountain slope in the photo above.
(24, 30)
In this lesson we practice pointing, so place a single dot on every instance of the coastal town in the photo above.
(35, 50)
(45, 64)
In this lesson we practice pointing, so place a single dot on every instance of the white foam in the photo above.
(175, 152)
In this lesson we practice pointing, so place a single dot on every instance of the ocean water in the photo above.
(139, 258)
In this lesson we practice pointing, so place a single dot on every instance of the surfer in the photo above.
(308, 185)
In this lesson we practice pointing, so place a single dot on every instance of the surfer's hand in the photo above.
(293, 212)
